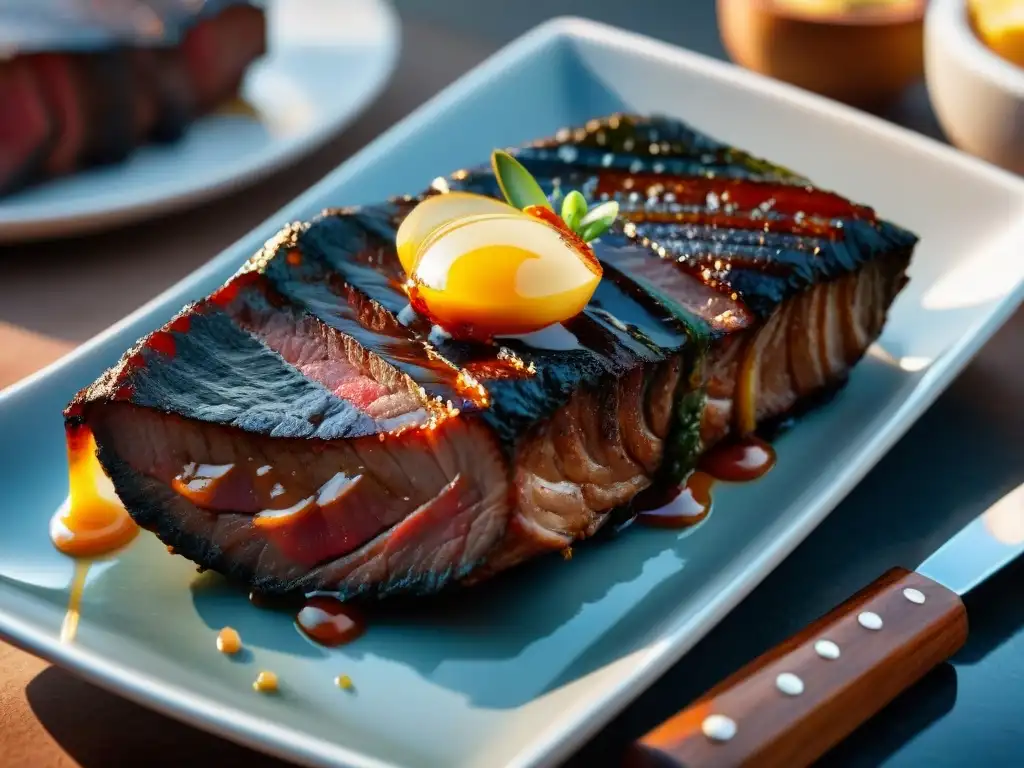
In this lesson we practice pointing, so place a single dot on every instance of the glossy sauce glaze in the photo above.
(89, 524)
(738, 461)
(306, 522)
(329, 622)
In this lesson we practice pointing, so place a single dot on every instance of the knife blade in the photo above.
(793, 703)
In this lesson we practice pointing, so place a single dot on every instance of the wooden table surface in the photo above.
(964, 714)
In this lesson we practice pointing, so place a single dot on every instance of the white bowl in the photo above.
(977, 95)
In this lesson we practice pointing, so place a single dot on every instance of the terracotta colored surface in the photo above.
(23, 352)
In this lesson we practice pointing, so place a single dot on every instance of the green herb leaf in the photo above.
(574, 208)
(598, 220)
(519, 187)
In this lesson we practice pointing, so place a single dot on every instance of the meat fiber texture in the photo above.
(303, 429)
(81, 95)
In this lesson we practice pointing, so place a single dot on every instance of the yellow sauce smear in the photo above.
(90, 524)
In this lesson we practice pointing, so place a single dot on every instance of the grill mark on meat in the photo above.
(323, 294)
(325, 355)
(746, 194)
(769, 229)
(658, 275)
(214, 357)
(343, 256)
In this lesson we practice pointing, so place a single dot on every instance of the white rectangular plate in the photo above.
(519, 672)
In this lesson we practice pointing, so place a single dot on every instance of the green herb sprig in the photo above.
(521, 191)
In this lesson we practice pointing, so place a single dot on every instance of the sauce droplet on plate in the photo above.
(344, 682)
(89, 524)
(266, 682)
(229, 641)
(740, 461)
(330, 622)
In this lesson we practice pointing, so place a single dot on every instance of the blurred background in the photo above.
(959, 78)
(871, 53)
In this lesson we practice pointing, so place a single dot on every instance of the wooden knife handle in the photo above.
(789, 706)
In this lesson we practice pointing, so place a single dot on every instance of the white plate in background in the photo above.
(326, 60)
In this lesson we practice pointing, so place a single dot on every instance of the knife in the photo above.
(793, 703)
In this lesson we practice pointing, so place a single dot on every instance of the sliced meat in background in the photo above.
(61, 112)
(217, 51)
(27, 128)
(58, 78)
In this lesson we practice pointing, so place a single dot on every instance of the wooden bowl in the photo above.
(864, 56)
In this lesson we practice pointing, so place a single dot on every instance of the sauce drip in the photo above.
(89, 524)
(676, 506)
(69, 628)
(739, 461)
(329, 622)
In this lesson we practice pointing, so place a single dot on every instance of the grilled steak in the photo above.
(303, 429)
(65, 110)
